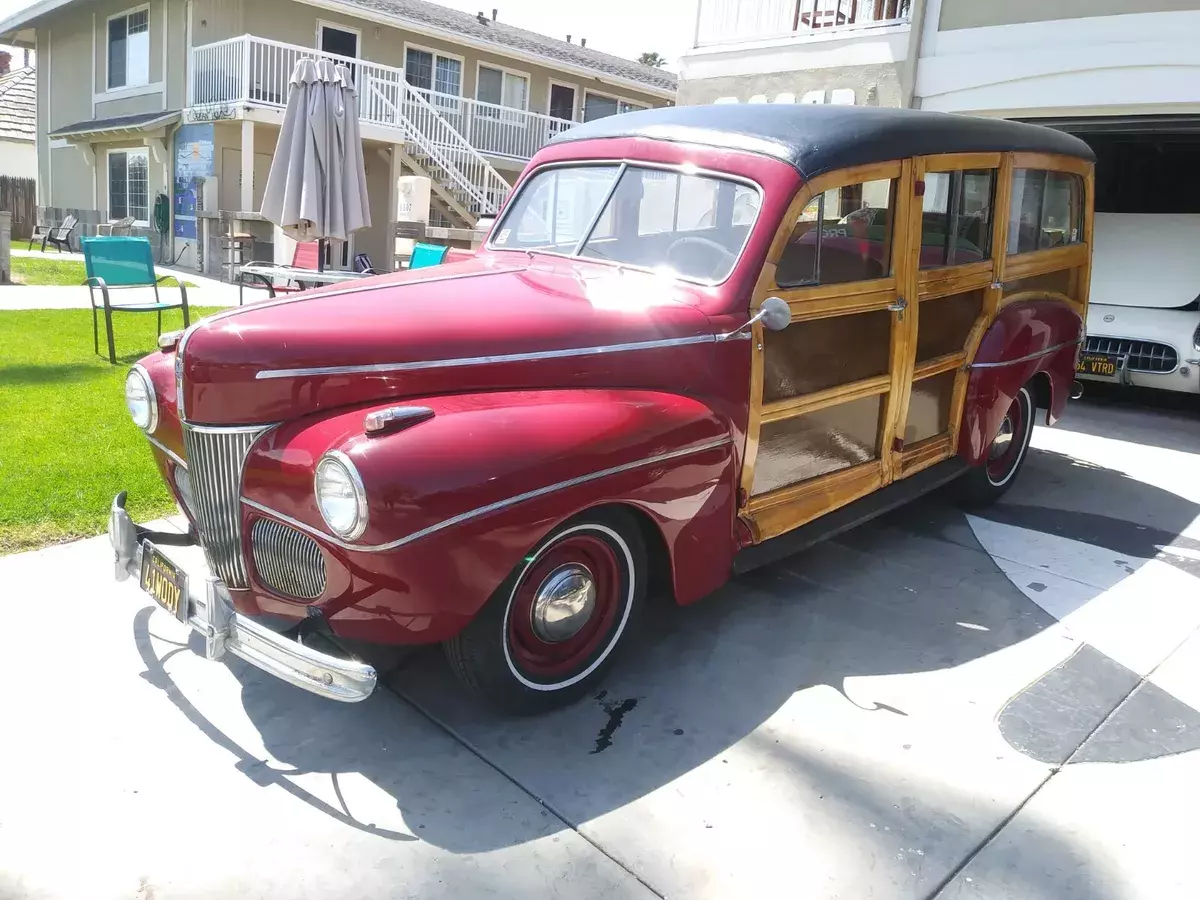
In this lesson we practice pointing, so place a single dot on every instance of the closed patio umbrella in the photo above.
(317, 186)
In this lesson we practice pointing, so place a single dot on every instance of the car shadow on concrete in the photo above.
(911, 593)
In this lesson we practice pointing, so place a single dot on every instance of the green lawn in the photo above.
(67, 444)
(45, 270)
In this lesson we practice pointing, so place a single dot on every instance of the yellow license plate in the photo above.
(1097, 365)
(165, 582)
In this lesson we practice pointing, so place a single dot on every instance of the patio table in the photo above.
(265, 276)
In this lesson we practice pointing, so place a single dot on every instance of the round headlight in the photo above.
(340, 495)
(140, 399)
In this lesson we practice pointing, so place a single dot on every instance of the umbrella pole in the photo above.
(321, 245)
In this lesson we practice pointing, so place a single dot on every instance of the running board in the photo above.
(860, 511)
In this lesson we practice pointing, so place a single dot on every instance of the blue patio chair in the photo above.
(427, 255)
(123, 262)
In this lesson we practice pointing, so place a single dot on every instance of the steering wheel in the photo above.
(705, 245)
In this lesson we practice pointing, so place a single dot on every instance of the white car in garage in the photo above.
(1143, 325)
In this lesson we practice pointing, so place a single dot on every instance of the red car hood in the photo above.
(482, 324)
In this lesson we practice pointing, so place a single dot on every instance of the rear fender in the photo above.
(455, 501)
(1027, 338)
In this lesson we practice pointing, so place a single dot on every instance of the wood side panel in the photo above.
(926, 453)
(935, 283)
(951, 162)
(762, 290)
(1052, 162)
(787, 508)
(806, 403)
(905, 343)
(938, 365)
(1082, 294)
(1000, 211)
(1039, 261)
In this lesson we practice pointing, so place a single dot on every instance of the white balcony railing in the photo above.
(730, 21)
(499, 130)
(255, 71)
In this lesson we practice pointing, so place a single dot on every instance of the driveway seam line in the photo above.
(1054, 770)
(475, 751)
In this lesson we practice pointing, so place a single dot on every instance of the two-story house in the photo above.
(1122, 74)
(169, 110)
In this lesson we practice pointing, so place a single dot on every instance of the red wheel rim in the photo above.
(545, 660)
(1008, 445)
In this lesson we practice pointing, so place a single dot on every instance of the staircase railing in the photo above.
(425, 128)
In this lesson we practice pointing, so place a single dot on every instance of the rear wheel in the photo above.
(986, 483)
(549, 632)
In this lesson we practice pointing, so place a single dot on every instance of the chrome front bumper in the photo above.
(211, 613)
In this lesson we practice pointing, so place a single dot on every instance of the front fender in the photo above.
(1026, 338)
(455, 501)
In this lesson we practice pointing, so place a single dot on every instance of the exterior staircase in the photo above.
(249, 72)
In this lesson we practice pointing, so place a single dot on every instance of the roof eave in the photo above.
(29, 14)
(154, 124)
(492, 47)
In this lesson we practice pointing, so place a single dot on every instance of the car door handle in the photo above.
(899, 306)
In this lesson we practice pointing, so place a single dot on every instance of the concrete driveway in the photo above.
(934, 705)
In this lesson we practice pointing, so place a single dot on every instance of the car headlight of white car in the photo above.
(140, 399)
(340, 495)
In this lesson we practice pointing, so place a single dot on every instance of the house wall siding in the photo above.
(958, 14)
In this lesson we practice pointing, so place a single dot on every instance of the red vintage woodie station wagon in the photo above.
(698, 339)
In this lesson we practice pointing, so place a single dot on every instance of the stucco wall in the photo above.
(875, 85)
(18, 159)
(981, 13)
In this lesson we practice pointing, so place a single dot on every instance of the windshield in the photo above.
(690, 226)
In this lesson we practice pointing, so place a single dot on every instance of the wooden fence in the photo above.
(19, 197)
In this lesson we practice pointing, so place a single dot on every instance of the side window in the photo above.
(956, 221)
(1047, 210)
(843, 235)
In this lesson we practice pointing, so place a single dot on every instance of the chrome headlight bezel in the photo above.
(149, 422)
(335, 461)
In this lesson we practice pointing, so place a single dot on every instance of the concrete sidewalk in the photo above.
(934, 705)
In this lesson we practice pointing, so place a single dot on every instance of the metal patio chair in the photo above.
(123, 262)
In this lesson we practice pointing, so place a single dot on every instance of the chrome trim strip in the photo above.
(231, 429)
(491, 507)
(418, 365)
(178, 460)
(1026, 358)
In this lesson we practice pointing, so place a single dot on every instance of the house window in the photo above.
(129, 185)
(129, 49)
(433, 72)
(598, 106)
(502, 88)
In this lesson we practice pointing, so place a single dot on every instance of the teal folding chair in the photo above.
(123, 262)
(427, 255)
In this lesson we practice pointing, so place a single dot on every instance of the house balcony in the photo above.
(246, 72)
(725, 22)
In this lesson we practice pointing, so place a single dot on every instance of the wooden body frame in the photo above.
(775, 512)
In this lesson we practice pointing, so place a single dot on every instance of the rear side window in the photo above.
(956, 220)
(1047, 210)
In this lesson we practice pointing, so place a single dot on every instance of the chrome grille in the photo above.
(1144, 356)
(287, 560)
(215, 457)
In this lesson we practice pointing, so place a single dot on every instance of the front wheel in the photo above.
(986, 483)
(548, 633)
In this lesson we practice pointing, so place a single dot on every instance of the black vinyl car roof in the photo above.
(818, 138)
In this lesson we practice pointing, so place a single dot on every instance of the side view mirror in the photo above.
(775, 314)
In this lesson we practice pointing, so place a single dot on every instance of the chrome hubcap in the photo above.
(1003, 440)
(563, 603)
